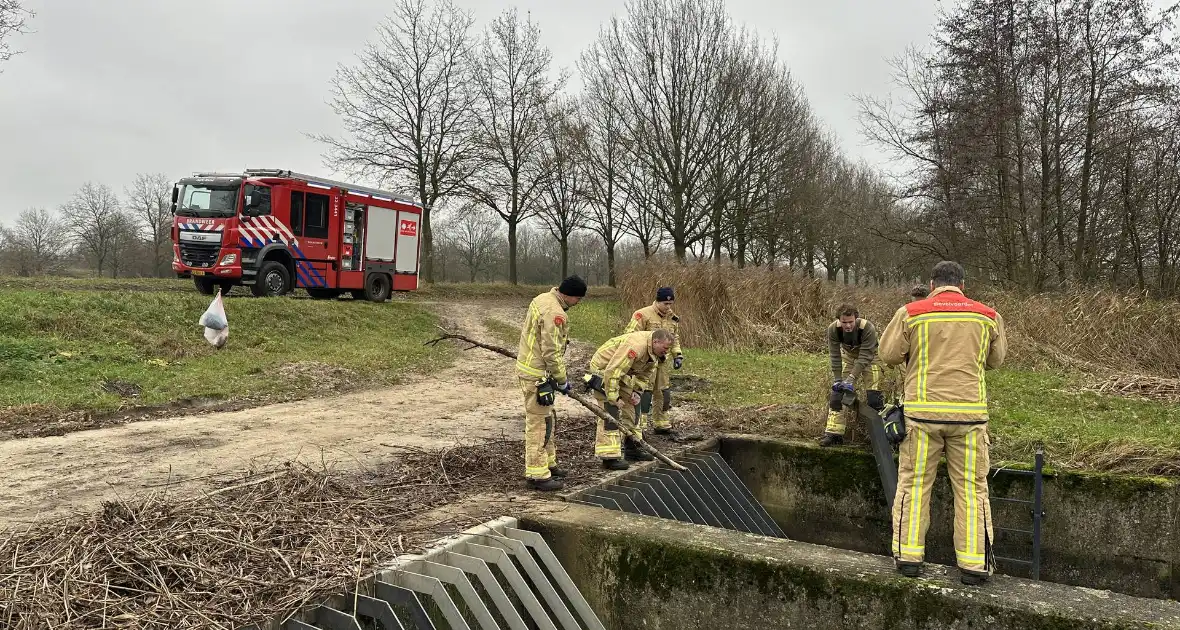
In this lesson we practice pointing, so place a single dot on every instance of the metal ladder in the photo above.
(1036, 511)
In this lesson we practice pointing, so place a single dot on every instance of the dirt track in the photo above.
(477, 397)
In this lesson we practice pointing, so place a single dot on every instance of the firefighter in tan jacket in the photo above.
(540, 367)
(622, 369)
(659, 316)
(852, 350)
(947, 342)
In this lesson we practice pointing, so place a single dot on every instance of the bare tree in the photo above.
(603, 151)
(13, 18)
(408, 107)
(149, 200)
(473, 232)
(35, 243)
(512, 75)
(563, 205)
(95, 223)
(668, 56)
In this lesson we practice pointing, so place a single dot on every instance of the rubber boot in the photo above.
(909, 569)
(634, 452)
(831, 439)
(971, 578)
(615, 464)
(558, 472)
(546, 485)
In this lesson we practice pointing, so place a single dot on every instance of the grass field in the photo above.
(1080, 429)
(100, 350)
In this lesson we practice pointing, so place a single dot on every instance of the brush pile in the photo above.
(252, 550)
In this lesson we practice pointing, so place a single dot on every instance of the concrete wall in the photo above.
(652, 574)
(1101, 531)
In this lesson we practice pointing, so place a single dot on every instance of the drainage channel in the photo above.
(707, 492)
(489, 577)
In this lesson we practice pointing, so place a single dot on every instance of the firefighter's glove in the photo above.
(565, 388)
(876, 399)
(677, 361)
(593, 382)
(895, 425)
(834, 401)
(645, 402)
(545, 393)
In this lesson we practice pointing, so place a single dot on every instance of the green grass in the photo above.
(1080, 430)
(596, 320)
(57, 348)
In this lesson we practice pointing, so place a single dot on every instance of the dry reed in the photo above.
(779, 310)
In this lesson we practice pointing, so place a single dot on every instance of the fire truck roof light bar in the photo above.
(320, 182)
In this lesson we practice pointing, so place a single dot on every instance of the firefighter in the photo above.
(919, 292)
(540, 367)
(655, 317)
(947, 341)
(852, 347)
(622, 369)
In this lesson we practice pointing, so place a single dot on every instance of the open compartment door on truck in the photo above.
(381, 234)
(407, 242)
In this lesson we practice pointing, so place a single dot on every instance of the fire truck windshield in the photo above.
(207, 201)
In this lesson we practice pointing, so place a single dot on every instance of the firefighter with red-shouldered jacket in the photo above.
(660, 316)
(541, 369)
(947, 342)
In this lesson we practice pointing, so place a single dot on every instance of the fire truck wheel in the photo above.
(273, 280)
(377, 287)
(204, 286)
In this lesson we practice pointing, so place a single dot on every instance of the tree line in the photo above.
(1040, 143)
(95, 230)
(688, 137)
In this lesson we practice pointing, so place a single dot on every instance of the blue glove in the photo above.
(565, 388)
(677, 361)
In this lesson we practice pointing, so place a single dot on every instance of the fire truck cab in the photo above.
(274, 230)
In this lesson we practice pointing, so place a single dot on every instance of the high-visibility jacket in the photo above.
(649, 318)
(625, 362)
(947, 342)
(543, 339)
(860, 344)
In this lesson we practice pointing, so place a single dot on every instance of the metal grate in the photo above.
(709, 492)
(490, 577)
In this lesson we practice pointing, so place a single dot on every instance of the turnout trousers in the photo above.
(966, 449)
(608, 442)
(540, 446)
(869, 380)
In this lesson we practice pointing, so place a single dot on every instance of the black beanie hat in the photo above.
(573, 286)
(663, 294)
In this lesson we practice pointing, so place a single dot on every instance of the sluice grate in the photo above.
(709, 492)
(490, 577)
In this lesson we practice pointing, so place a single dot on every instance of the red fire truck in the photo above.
(274, 230)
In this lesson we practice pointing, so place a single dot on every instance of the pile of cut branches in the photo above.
(251, 550)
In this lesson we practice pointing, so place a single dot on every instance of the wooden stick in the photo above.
(584, 400)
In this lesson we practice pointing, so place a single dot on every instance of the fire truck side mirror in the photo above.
(175, 197)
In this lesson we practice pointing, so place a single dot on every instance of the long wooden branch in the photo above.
(585, 400)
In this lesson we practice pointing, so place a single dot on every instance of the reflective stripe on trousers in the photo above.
(966, 449)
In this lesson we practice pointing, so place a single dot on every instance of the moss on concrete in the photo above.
(1101, 530)
(640, 572)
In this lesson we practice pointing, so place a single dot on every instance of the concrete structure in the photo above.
(642, 572)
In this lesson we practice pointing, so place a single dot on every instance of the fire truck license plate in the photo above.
(198, 273)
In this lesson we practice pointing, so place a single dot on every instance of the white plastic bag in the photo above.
(214, 316)
(215, 322)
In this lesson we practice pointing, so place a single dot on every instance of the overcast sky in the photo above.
(108, 88)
